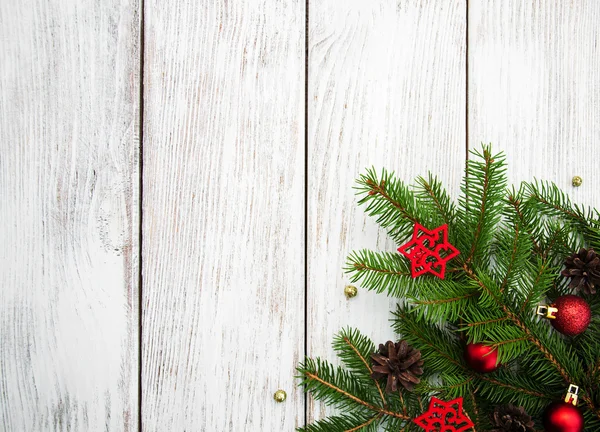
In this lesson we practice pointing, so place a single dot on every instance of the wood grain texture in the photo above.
(534, 69)
(223, 225)
(69, 211)
(386, 89)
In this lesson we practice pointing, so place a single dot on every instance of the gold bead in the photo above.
(280, 396)
(577, 181)
(350, 291)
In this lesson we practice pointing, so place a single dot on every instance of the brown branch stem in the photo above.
(379, 189)
(368, 368)
(367, 423)
(377, 409)
(486, 182)
(429, 191)
(450, 300)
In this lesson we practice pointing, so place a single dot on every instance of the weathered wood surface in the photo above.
(223, 215)
(386, 89)
(224, 184)
(69, 92)
(534, 74)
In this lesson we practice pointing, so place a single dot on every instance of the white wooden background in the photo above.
(176, 177)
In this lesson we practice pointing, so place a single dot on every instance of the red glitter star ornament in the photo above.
(444, 416)
(429, 251)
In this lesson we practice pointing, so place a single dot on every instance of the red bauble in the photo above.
(481, 358)
(573, 316)
(562, 417)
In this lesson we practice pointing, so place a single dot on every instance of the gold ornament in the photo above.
(350, 291)
(280, 396)
(548, 312)
(577, 181)
(572, 394)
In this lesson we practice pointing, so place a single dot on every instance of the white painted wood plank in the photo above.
(223, 225)
(386, 89)
(69, 211)
(534, 69)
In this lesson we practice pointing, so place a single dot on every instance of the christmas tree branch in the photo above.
(383, 411)
(446, 300)
(535, 341)
(379, 189)
(543, 245)
(415, 332)
(481, 204)
(591, 405)
(511, 387)
(557, 238)
(510, 341)
(555, 202)
(367, 423)
(517, 321)
(347, 341)
(516, 205)
(431, 192)
(485, 190)
(382, 272)
(512, 259)
(542, 269)
(489, 321)
(513, 245)
(391, 202)
(475, 409)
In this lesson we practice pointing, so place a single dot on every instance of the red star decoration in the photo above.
(444, 417)
(429, 251)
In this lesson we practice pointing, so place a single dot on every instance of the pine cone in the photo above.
(509, 418)
(584, 270)
(400, 363)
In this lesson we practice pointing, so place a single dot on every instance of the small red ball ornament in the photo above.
(573, 316)
(562, 417)
(481, 358)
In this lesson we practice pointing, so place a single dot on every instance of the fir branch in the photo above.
(442, 357)
(354, 349)
(431, 193)
(365, 424)
(517, 321)
(475, 410)
(341, 392)
(513, 388)
(446, 301)
(506, 386)
(541, 279)
(555, 202)
(451, 387)
(347, 422)
(487, 324)
(513, 244)
(539, 339)
(380, 272)
(591, 405)
(514, 200)
(549, 200)
(335, 386)
(482, 194)
(391, 202)
(488, 321)
(512, 254)
(440, 349)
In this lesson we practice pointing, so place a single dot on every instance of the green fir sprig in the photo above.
(513, 243)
